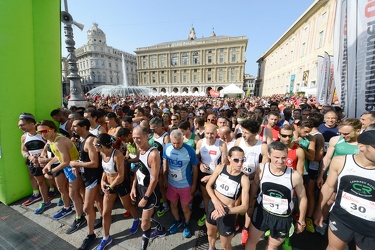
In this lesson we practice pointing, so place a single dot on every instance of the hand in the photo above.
(204, 168)
(133, 194)
(219, 207)
(299, 228)
(142, 203)
(319, 181)
(206, 178)
(215, 215)
(74, 164)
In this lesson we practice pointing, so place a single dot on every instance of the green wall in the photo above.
(30, 56)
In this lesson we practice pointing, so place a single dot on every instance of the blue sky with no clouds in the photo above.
(132, 24)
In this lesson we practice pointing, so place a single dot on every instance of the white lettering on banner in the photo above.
(175, 174)
(275, 205)
(226, 186)
(140, 177)
(358, 207)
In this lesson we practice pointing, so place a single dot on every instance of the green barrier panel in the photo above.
(30, 63)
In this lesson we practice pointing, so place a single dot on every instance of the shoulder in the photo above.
(334, 139)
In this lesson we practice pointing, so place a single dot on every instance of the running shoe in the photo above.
(32, 199)
(60, 202)
(163, 210)
(42, 206)
(175, 226)
(186, 233)
(244, 237)
(98, 223)
(51, 194)
(134, 227)
(77, 223)
(202, 220)
(286, 244)
(104, 243)
(310, 225)
(158, 232)
(62, 213)
(87, 242)
(127, 214)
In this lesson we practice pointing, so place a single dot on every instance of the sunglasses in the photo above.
(211, 120)
(201, 113)
(152, 129)
(173, 119)
(284, 136)
(237, 160)
(98, 145)
(44, 131)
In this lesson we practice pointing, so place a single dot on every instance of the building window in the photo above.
(321, 39)
(221, 50)
(174, 79)
(195, 78)
(153, 79)
(174, 61)
(221, 58)
(96, 63)
(195, 57)
(143, 65)
(233, 49)
(209, 59)
(209, 51)
(232, 77)
(162, 79)
(185, 58)
(209, 69)
(110, 65)
(184, 78)
(195, 70)
(233, 57)
(209, 77)
(303, 49)
(103, 63)
(220, 77)
(144, 80)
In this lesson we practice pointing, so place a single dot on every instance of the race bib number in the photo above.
(248, 168)
(140, 177)
(175, 174)
(275, 205)
(358, 207)
(226, 186)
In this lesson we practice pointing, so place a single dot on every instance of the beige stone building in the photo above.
(291, 63)
(192, 65)
(100, 64)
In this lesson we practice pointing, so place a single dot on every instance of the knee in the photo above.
(225, 244)
(145, 225)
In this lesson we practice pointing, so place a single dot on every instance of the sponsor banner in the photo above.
(324, 79)
(214, 93)
(331, 82)
(320, 77)
(341, 54)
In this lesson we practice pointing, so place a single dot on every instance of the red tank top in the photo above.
(292, 159)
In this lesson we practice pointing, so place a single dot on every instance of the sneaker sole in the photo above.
(32, 202)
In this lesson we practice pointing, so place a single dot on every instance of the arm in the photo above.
(63, 145)
(101, 130)
(302, 201)
(319, 148)
(219, 206)
(301, 160)
(93, 156)
(310, 152)
(166, 139)
(326, 160)
(224, 153)
(254, 189)
(245, 184)
(195, 178)
(329, 187)
(165, 170)
(265, 153)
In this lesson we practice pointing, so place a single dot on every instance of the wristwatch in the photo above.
(145, 197)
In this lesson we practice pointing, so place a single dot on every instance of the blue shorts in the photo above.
(69, 174)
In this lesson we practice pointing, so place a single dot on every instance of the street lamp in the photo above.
(76, 94)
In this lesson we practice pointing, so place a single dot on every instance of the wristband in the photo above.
(145, 197)
(300, 223)
(25, 155)
(226, 210)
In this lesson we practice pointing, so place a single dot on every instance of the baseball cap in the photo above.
(367, 138)
(165, 110)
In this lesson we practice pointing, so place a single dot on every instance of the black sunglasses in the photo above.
(284, 136)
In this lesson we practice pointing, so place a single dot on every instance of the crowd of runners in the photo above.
(285, 163)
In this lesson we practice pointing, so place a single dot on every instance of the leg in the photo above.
(146, 227)
(127, 204)
(334, 243)
(187, 211)
(211, 234)
(89, 207)
(310, 192)
(33, 181)
(74, 193)
(174, 209)
(273, 244)
(206, 197)
(108, 201)
(226, 242)
(42, 187)
(254, 236)
(62, 186)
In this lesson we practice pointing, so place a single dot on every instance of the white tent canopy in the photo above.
(232, 91)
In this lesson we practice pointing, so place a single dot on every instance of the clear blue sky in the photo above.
(132, 24)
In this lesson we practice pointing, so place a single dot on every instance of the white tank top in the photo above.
(210, 155)
(252, 154)
(160, 140)
(110, 166)
(95, 131)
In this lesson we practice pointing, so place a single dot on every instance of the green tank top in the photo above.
(344, 148)
(191, 141)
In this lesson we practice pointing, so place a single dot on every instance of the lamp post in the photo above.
(76, 94)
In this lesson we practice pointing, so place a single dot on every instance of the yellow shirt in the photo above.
(73, 152)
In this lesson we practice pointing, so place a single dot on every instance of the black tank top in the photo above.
(87, 173)
(228, 185)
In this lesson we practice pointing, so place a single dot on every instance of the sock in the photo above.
(145, 238)
(78, 217)
(165, 205)
(52, 189)
(36, 192)
(66, 208)
(105, 237)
